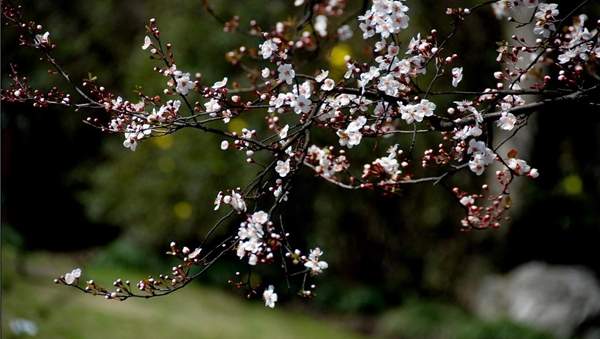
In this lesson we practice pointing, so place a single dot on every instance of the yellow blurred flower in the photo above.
(337, 58)
(236, 125)
(164, 142)
(182, 210)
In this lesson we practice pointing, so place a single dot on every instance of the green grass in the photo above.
(204, 312)
(194, 312)
(418, 319)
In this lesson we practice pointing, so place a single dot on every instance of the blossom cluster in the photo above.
(385, 17)
(324, 119)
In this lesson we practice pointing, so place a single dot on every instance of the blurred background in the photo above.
(399, 266)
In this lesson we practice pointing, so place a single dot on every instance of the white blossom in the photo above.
(322, 76)
(184, 83)
(267, 48)
(301, 104)
(218, 200)
(314, 263)
(135, 132)
(366, 77)
(283, 167)
(212, 106)
(166, 112)
(237, 202)
(284, 132)
(385, 17)
(345, 33)
(521, 167)
(286, 73)
(417, 112)
(265, 73)
(71, 277)
(482, 156)
(389, 85)
(468, 131)
(352, 136)
(270, 296)
(457, 76)
(328, 85)
(260, 217)
(194, 253)
(467, 200)
(147, 42)
(41, 39)
(321, 25)
(545, 16)
(220, 84)
(250, 234)
(507, 121)
(389, 163)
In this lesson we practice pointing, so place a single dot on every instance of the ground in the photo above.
(194, 312)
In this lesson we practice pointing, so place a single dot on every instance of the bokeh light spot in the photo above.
(236, 125)
(164, 142)
(182, 210)
(572, 185)
(337, 58)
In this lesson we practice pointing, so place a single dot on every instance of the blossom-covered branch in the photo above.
(391, 96)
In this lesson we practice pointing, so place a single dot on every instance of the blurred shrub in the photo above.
(431, 320)
(342, 297)
(164, 191)
(126, 254)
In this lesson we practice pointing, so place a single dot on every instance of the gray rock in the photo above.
(557, 299)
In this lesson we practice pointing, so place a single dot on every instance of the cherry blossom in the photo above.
(417, 112)
(265, 73)
(322, 76)
(507, 121)
(147, 42)
(389, 163)
(345, 33)
(73, 276)
(352, 136)
(250, 235)
(42, 39)
(184, 84)
(283, 168)
(482, 156)
(301, 104)
(321, 25)
(328, 84)
(389, 85)
(545, 16)
(457, 76)
(385, 17)
(220, 84)
(270, 296)
(314, 263)
(467, 200)
(286, 73)
(212, 106)
(234, 199)
(521, 167)
(135, 132)
(267, 48)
